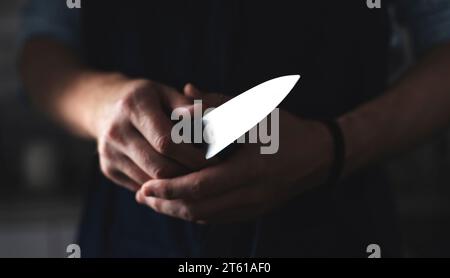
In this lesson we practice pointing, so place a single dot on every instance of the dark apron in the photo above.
(339, 48)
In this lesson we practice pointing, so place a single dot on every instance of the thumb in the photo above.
(209, 99)
(192, 92)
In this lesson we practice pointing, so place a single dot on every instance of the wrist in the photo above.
(315, 156)
(105, 90)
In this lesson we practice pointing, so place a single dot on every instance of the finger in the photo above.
(141, 153)
(242, 204)
(110, 159)
(172, 98)
(235, 205)
(209, 99)
(197, 185)
(155, 126)
(215, 100)
(170, 208)
(192, 92)
(213, 180)
(131, 170)
(123, 180)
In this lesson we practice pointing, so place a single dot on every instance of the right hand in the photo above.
(133, 127)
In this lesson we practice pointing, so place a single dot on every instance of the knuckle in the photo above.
(143, 83)
(164, 191)
(126, 104)
(147, 84)
(160, 173)
(140, 89)
(113, 133)
(151, 168)
(163, 144)
(135, 92)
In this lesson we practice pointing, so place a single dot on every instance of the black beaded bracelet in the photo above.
(337, 165)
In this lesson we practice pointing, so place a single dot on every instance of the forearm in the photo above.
(412, 110)
(58, 83)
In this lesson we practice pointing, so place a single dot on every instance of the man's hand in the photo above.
(129, 119)
(133, 130)
(246, 184)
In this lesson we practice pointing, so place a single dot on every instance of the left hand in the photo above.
(246, 184)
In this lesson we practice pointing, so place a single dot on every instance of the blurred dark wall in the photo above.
(420, 178)
(44, 171)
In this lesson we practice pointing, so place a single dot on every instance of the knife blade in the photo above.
(229, 121)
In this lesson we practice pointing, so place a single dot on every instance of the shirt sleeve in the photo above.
(428, 21)
(52, 19)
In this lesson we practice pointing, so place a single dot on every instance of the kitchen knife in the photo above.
(229, 121)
